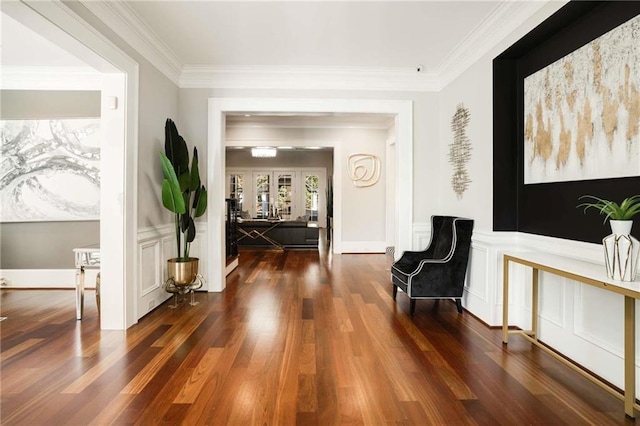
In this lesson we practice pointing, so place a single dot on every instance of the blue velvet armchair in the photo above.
(439, 271)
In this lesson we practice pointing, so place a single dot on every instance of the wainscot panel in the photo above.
(582, 322)
(155, 246)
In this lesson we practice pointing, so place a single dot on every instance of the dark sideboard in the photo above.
(277, 233)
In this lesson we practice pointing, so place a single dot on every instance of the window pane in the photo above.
(262, 195)
(236, 188)
(311, 196)
(285, 184)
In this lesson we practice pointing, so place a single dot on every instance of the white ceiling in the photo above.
(326, 45)
(378, 34)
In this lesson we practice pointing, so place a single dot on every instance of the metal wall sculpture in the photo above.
(363, 169)
(49, 170)
(460, 150)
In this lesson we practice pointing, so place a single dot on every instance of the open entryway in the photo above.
(402, 139)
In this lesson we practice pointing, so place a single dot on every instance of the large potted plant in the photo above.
(184, 195)
(621, 249)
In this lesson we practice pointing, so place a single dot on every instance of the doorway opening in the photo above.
(402, 112)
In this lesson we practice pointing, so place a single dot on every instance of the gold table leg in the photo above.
(79, 292)
(534, 303)
(505, 301)
(629, 355)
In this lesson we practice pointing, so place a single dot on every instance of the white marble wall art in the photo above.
(363, 169)
(49, 170)
(582, 112)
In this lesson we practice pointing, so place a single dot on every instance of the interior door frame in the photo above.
(119, 124)
(219, 107)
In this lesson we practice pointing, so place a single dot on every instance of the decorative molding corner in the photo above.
(305, 78)
(148, 233)
(50, 78)
(125, 22)
(504, 19)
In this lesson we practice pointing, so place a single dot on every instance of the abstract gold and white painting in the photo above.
(582, 112)
(49, 170)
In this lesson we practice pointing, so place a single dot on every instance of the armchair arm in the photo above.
(414, 256)
(433, 264)
(436, 278)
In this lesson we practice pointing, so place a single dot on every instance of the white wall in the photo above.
(364, 212)
(363, 209)
(193, 127)
(582, 322)
(157, 101)
(27, 246)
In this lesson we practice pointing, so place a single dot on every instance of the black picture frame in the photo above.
(548, 209)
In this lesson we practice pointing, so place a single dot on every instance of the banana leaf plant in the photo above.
(182, 191)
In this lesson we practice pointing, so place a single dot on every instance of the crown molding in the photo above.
(317, 78)
(504, 19)
(50, 78)
(125, 22)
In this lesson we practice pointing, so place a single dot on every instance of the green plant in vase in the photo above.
(628, 208)
(621, 249)
(182, 194)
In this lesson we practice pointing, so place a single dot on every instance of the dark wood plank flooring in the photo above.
(298, 337)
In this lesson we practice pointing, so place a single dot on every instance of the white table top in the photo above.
(590, 271)
(88, 256)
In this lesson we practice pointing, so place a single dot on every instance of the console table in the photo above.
(587, 273)
(85, 257)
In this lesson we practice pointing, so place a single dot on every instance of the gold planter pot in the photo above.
(182, 272)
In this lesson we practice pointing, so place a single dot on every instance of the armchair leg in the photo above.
(412, 306)
(395, 291)
(459, 305)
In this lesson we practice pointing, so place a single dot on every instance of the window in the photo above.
(311, 200)
(262, 198)
(285, 194)
(236, 188)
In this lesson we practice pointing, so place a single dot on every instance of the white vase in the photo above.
(621, 251)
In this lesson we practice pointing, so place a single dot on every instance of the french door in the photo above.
(285, 193)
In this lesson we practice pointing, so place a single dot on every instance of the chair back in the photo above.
(463, 231)
(451, 241)
(442, 237)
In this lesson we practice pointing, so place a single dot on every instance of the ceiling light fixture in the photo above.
(263, 152)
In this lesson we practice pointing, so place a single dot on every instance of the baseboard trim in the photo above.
(45, 278)
(364, 247)
(232, 266)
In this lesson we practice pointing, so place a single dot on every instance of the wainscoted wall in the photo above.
(155, 246)
(580, 321)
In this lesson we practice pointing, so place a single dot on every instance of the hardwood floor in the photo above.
(298, 337)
